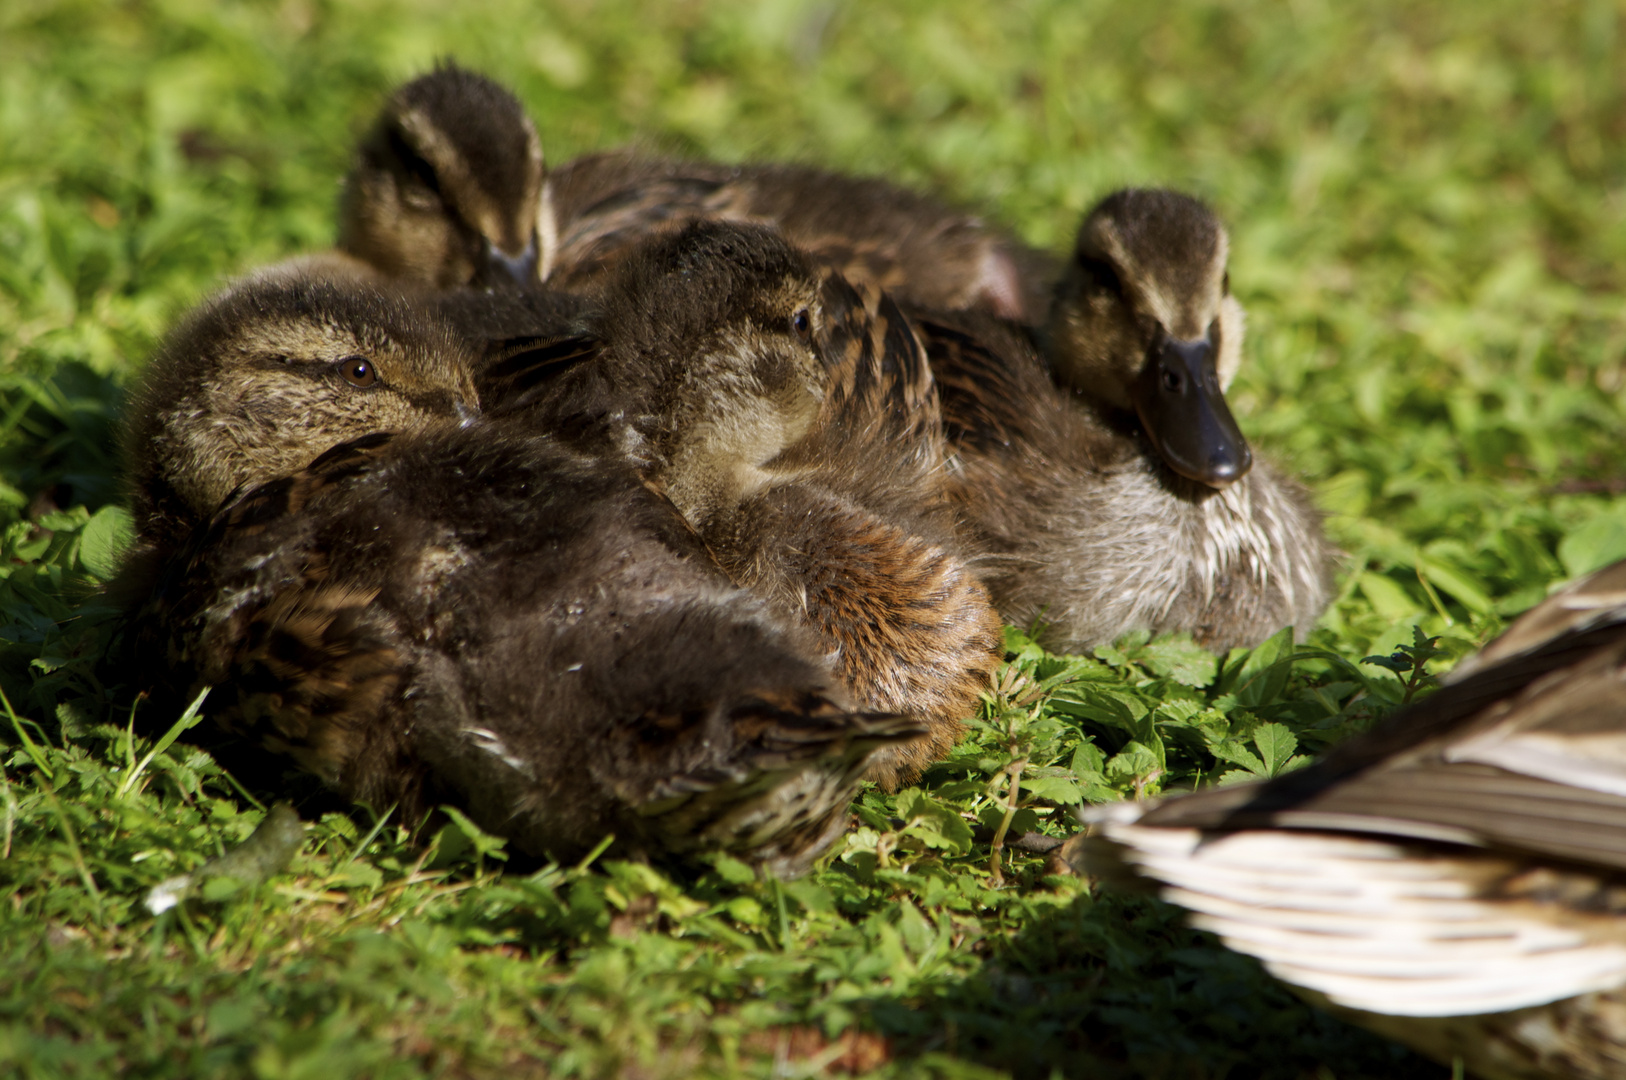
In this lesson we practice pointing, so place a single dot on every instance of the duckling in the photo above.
(267, 375)
(793, 421)
(448, 188)
(871, 230)
(1143, 320)
(487, 617)
(1456, 879)
(1110, 488)
(1140, 319)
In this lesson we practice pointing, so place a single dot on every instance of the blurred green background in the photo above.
(1427, 206)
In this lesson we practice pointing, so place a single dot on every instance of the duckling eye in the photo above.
(1100, 275)
(358, 371)
(802, 324)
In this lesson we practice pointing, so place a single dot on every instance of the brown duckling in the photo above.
(448, 187)
(265, 376)
(488, 617)
(1068, 477)
(793, 421)
(1143, 321)
(871, 230)
(1456, 879)
(1139, 321)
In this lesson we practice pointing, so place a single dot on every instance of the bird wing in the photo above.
(1389, 927)
(258, 606)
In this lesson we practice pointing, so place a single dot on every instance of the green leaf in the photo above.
(1264, 673)
(1596, 543)
(932, 822)
(104, 539)
(1133, 762)
(1179, 658)
(1469, 593)
(1387, 597)
(1276, 745)
(1057, 789)
(1236, 753)
(461, 836)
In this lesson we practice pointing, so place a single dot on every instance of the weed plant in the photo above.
(1428, 217)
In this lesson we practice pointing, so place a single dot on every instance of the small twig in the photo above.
(997, 848)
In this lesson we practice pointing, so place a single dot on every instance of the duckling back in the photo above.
(488, 617)
(792, 418)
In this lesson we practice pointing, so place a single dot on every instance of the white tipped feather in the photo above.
(1375, 925)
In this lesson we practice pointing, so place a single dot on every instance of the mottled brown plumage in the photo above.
(792, 419)
(447, 188)
(1088, 530)
(871, 230)
(1456, 879)
(488, 617)
(265, 376)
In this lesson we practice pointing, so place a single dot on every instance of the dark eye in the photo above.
(358, 371)
(1100, 276)
(802, 323)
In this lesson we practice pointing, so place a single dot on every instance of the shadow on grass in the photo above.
(1120, 987)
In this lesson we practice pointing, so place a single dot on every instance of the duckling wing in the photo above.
(1387, 926)
(881, 385)
(257, 606)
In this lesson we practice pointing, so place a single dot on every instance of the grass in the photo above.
(1428, 211)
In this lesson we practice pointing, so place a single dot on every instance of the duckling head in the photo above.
(1143, 320)
(448, 187)
(270, 374)
(716, 335)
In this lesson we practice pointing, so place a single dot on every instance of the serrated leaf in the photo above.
(1133, 762)
(1236, 753)
(1181, 659)
(933, 823)
(1276, 745)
